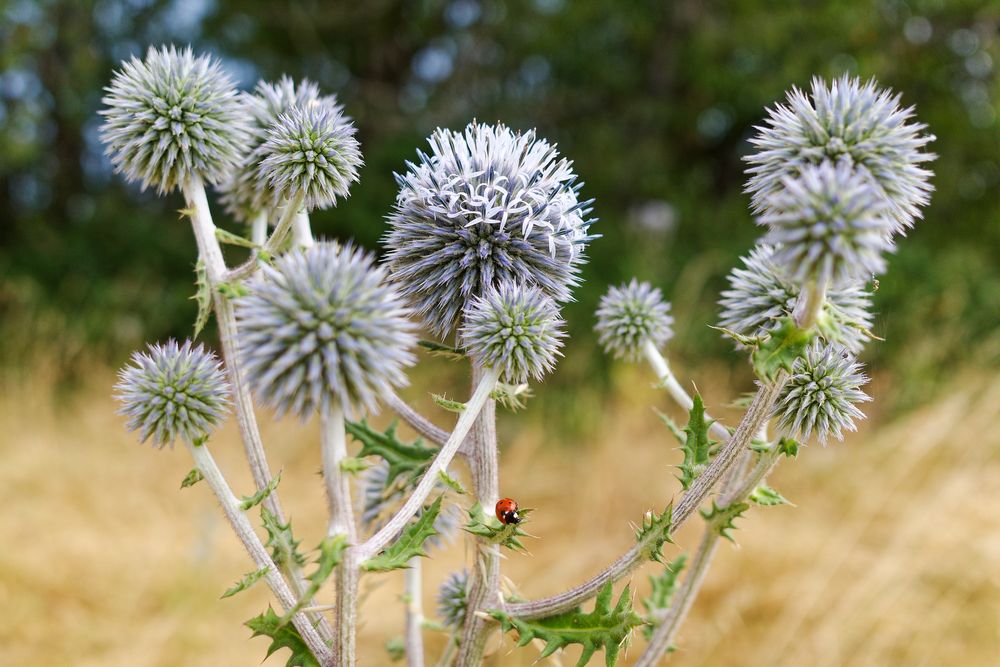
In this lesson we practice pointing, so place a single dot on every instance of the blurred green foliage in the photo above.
(653, 100)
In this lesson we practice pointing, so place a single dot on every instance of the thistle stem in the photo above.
(810, 303)
(395, 525)
(258, 229)
(273, 243)
(412, 587)
(261, 558)
(674, 388)
(302, 235)
(421, 424)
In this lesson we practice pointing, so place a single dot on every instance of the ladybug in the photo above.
(507, 511)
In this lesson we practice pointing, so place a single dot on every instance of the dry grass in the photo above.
(890, 557)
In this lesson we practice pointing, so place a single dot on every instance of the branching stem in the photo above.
(674, 388)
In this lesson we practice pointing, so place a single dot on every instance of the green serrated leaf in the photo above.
(765, 495)
(203, 297)
(331, 552)
(672, 425)
(448, 404)
(697, 446)
(352, 465)
(229, 238)
(246, 582)
(283, 635)
(232, 290)
(250, 502)
(604, 628)
(746, 341)
(489, 528)
(404, 458)
(442, 350)
(451, 482)
(396, 648)
(662, 590)
(785, 344)
(409, 544)
(511, 396)
(788, 447)
(655, 532)
(284, 547)
(721, 519)
(192, 478)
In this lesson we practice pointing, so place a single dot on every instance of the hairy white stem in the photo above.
(258, 552)
(273, 243)
(412, 590)
(484, 583)
(338, 491)
(302, 235)
(674, 388)
(415, 502)
(258, 229)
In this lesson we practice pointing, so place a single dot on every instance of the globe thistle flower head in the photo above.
(848, 122)
(487, 205)
(760, 294)
(310, 151)
(172, 391)
(379, 499)
(630, 316)
(171, 117)
(321, 326)
(514, 328)
(822, 394)
(453, 599)
(828, 224)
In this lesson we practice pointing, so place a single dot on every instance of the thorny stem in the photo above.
(395, 525)
(484, 584)
(676, 391)
(258, 552)
(414, 614)
(753, 420)
(338, 491)
(273, 244)
(215, 268)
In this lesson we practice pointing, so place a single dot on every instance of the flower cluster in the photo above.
(630, 316)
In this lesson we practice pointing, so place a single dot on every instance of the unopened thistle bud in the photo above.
(630, 316)
(453, 599)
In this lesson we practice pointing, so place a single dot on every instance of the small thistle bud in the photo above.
(829, 224)
(453, 599)
(486, 206)
(310, 151)
(173, 116)
(821, 395)
(631, 315)
(760, 294)
(852, 123)
(173, 391)
(515, 329)
(321, 325)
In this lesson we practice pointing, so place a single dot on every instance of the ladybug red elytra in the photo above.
(507, 511)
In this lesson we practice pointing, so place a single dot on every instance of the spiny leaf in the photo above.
(229, 238)
(746, 341)
(785, 344)
(409, 544)
(654, 532)
(257, 498)
(604, 628)
(511, 396)
(192, 478)
(442, 350)
(203, 297)
(246, 582)
(331, 552)
(451, 482)
(663, 586)
(697, 446)
(284, 547)
(672, 425)
(283, 635)
(721, 519)
(409, 458)
(489, 528)
(788, 447)
(448, 404)
(396, 648)
(765, 495)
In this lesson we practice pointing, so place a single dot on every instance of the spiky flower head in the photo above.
(172, 391)
(171, 117)
(243, 193)
(828, 224)
(822, 394)
(760, 294)
(514, 328)
(310, 151)
(630, 316)
(453, 599)
(379, 497)
(848, 122)
(487, 205)
(322, 326)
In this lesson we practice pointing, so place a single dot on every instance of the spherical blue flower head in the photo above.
(514, 328)
(379, 498)
(171, 117)
(243, 193)
(760, 294)
(828, 224)
(321, 327)
(173, 391)
(486, 206)
(850, 122)
(630, 316)
(453, 599)
(310, 151)
(822, 394)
